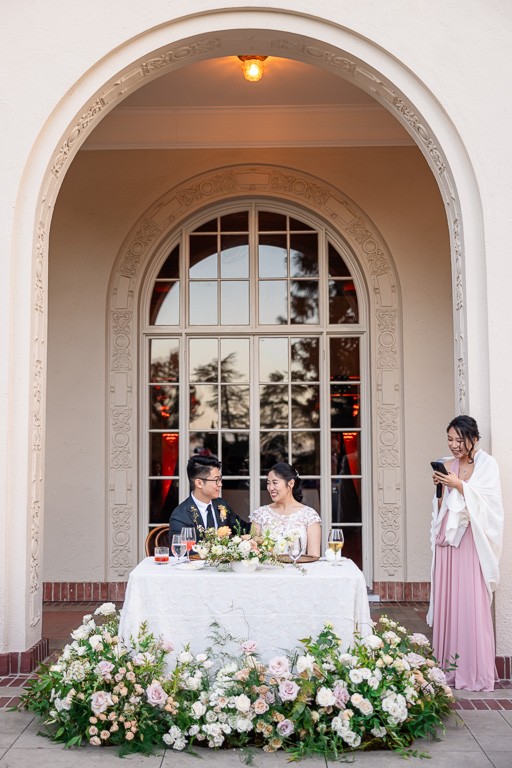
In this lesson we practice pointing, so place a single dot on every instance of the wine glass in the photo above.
(295, 549)
(178, 546)
(190, 537)
(335, 543)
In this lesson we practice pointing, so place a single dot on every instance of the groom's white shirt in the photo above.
(201, 508)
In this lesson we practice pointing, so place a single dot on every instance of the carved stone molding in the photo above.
(157, 224)
(285, 183)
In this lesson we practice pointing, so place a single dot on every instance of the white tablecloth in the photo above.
(275, 606)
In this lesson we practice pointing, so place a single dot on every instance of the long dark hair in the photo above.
(287, 473)
(467, 429)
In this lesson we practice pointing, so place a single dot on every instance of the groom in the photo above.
(204, 507)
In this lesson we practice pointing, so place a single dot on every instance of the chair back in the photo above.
(156, 538)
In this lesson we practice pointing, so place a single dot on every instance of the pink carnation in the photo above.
(288, 690)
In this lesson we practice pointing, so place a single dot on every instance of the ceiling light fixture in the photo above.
(252, 67)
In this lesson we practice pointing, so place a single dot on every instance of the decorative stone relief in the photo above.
(385, 335)
(287, 185)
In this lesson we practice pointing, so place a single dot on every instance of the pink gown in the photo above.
(462, 620)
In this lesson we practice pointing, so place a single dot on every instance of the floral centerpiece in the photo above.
(383, 693)
(219, 547)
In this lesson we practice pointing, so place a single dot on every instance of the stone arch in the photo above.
(375, 261)
(163, 48)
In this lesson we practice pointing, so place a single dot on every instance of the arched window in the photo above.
(254, 349)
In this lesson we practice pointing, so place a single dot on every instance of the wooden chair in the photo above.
(156, 538)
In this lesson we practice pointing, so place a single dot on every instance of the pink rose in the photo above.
(270, 697)
(104, 668)
(166, 646)
(341, 696)
(260, 706)
(279, 667)
(249, 647)
(100, 701)
(285, 728)
(156, 695)
(288, 690)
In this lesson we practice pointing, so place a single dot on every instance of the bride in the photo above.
(286, 513)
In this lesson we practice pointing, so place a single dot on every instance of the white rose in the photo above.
(185, 657)
(208, 664)
(107, 609)
(236, 539)
(242, 703)
(437, 676)
(216, 549)
(96, 642)
(373, 642)
(366, 707)
(325, 697)
(193, 683)
(379, 733)
(244, 548)
(56, 668)
(198, 709)
(305, 664)
(356, 676)
(81, 632)
(201, 657)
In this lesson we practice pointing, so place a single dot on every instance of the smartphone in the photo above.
(438, 466)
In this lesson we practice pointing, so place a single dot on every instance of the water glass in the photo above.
(295, 549)
(161, 555)
(178, 546)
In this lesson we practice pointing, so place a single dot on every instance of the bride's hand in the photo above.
(451, 480)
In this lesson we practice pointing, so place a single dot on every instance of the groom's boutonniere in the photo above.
(195, 513)
(222, 512)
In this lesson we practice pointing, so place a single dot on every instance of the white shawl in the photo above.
(481, 506)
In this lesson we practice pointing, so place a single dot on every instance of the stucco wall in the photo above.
(102, 195)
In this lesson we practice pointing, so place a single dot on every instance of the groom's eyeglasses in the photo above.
(217, 480)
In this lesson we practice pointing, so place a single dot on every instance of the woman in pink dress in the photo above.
(467, 527)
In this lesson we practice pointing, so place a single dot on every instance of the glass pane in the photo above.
(171, 266)
(234, 403)
(203, 444)
(204, 406)
(203, 359)
(346, 500)
(234, 256)
(235, 222)
(234, 302)
(234, 360)
(236, 493)
(337, 267)
(165, 360)
(344, 405)
(265, 497)
(306, 452)
(164, 407)
(305, 359)
(203, 256)
(296, 224)
(304, 255)
(163, 499)
(273, 448)
(311, 494)
(273, 302)
(343, 306)
(165, 304)
(344, 358)
(273, 359)
(304, 301)
(203, 303)
(305, 406)
(235, 453)
(345, 453)
(164, 454)
(268, 221)
(209, 226)
(272, 256)
(274, 406)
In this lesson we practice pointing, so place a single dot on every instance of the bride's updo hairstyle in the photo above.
(287, 473)
(467, 429)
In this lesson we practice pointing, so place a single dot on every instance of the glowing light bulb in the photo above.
(252, 67)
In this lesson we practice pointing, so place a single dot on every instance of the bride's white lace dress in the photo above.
(284, 524)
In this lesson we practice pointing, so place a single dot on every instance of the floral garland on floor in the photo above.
(383, 694)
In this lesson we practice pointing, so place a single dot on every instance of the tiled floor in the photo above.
(479, 736)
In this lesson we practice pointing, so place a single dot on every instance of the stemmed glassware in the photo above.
(335, 543)
(295, 549)
(178, 546)
(190, 537)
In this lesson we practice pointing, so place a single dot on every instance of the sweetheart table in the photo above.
(275, 606)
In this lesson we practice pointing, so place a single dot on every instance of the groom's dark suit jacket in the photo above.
(186, 515)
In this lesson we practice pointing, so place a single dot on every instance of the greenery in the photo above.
(382, 694)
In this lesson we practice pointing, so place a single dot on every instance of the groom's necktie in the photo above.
(210, 520)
